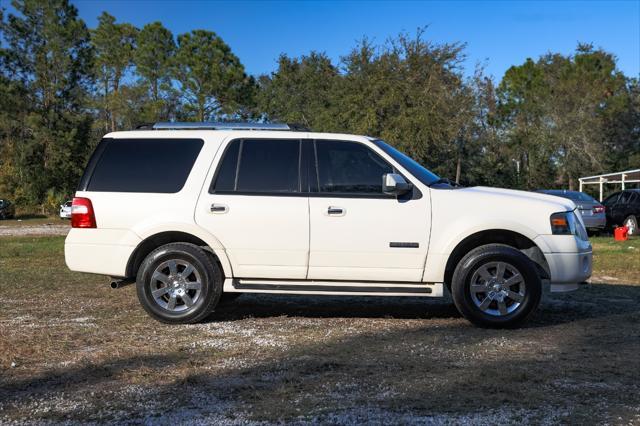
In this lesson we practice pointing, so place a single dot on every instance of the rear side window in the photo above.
(625, 197)
(259, 166)
(349, 167)
(144, 165)
(611, 199)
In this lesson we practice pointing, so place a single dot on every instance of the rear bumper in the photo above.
(595, 222)
(99, 251)
(570, 261)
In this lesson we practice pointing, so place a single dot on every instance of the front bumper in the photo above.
(570, 260)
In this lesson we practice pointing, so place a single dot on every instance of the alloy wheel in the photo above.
(176, 285)
(497, 288)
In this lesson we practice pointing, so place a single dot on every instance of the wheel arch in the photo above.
(496, 236)
(151, 242)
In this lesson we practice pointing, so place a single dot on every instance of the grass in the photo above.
(73, 350)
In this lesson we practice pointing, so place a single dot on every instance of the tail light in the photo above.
(82, 215)
(598, 209)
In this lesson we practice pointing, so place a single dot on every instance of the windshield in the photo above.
(412, 166)
(572, 195)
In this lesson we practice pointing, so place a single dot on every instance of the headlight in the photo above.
(566, 223)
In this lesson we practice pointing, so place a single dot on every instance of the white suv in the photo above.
(192, 211)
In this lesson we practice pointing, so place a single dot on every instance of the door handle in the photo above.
(219, 208)
(335, 211)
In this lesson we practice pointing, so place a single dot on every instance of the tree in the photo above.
(114, 46)
(411, 93)
(49, 57)
(555, 114)
(153, 57)
(301, 91)
(212, 79)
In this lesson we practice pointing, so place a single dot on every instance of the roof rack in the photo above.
(221, 126)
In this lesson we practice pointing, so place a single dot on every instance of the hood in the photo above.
(496, 208)
(512, 195)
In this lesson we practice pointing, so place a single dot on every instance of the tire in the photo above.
(631, 222)
(170, 293)
(479, 292)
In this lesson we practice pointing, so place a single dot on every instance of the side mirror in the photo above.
(394, 184)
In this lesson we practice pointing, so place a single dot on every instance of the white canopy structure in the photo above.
(622, 178)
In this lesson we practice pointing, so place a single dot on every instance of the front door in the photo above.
(358, 233)
(256, 209)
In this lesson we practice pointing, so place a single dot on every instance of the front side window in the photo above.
(259, 166)
(416, 169)
(349, 168)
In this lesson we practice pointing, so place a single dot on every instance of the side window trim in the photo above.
(238, 162)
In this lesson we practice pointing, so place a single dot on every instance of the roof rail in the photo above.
(221, 126)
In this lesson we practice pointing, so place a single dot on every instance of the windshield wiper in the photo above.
(445, 181)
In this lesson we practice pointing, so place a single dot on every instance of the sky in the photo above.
(497, 34)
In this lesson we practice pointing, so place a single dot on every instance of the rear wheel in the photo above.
(179, 283)
(631, 223)
(496, 286)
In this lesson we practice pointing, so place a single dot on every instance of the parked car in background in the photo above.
(65, 210)
(623, 209)
(593, 213)
(7, 209)
(217, 208)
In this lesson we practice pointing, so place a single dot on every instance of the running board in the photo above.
(370, 288)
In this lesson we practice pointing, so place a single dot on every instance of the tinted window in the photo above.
(349, 167)
(572, 195)
(262, 166)
(144, 165)
(624, 198)
(611, 199)
(226, 177)
(416, 169)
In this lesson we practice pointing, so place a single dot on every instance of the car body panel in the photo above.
(585, 204)
(292, 237)
(621, 205)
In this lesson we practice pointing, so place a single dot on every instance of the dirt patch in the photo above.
(75, 351)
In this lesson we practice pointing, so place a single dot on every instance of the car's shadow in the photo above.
(591, 301)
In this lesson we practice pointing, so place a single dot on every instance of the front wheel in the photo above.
(179, 283)
(496, 286)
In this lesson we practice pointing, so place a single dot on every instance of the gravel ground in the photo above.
(74, 351)
(40, 229)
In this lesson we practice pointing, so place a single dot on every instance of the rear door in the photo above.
(255, 207)
(621, 208)
(359, 233)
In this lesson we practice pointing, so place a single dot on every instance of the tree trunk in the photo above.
(155, 90)
(459, 167)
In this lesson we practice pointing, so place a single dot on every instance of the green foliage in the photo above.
(114, 46)
(210, 76)
(547, 122)
(563, 116)
(47, 67)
